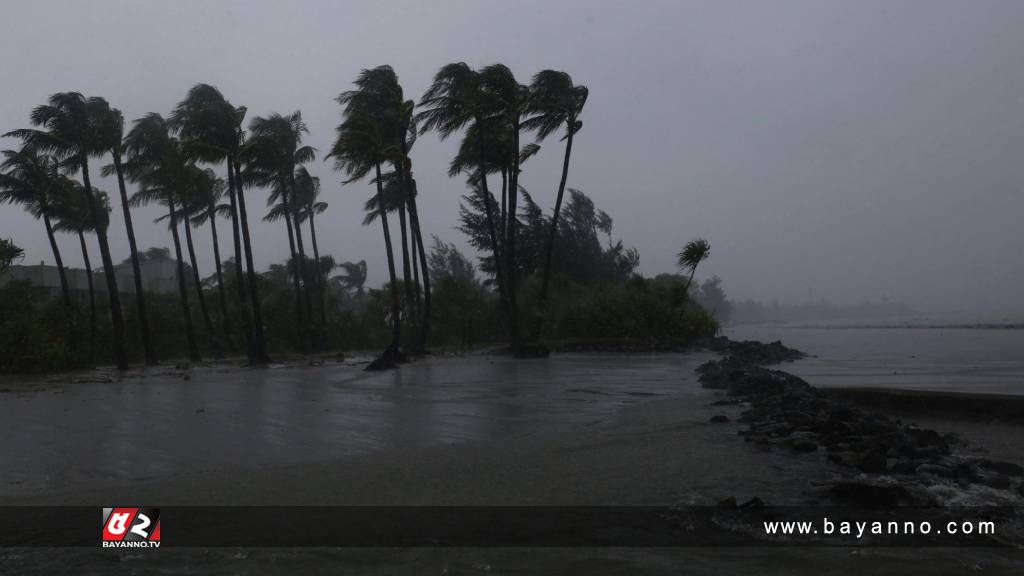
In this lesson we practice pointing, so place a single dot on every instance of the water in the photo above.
(965, 359)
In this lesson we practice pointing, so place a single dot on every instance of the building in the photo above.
(159, 276)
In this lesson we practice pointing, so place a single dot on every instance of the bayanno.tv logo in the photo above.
(131, 528)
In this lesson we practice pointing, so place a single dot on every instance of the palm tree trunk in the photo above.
(218, 351)
(140, 297)
(299, 325)
(414, 219)
(406, 265)
(499, 264)
(503, 219)
(259, 341)
(116, 320)
(415, 265)
(225, 319)
(546, 279)
(512, 187)
(193, 349)
(239, 276)
(293, 212)
(92, 297)
(319, 275)
(392, 353)
(65, 293)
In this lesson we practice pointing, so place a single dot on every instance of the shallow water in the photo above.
(979, 360)
(62, 433)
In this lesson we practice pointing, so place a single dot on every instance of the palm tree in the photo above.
(32, 179)
(192, 197)
(457, 98)
(9, 254)
(156, 164)
(307, 194)
(71, 130)
(365, 140)
(271, 155)
(353, 278)
(210, 129)
(112, 132)
(73, 217)
(554, 101)
(695, 252)
(205, 209)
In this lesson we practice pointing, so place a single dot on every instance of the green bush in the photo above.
(640, 309)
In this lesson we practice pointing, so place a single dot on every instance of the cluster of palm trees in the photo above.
(491, 109)
(170, 160)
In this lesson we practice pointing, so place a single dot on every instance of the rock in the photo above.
(904, 467)
(802, 445)
(719, 418)
(873, 461)
(997, 481)
(1008, 468)
(754, 502)
(729, 502)
(868, 493)
(725, 402)
(1020, 489)
(934, 470)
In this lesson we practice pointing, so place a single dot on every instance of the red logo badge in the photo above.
(131, 528)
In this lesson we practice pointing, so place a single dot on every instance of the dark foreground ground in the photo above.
(568, 430)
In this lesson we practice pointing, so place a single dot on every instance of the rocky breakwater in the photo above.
(880, 461)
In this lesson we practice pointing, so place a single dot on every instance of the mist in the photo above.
(841, 150)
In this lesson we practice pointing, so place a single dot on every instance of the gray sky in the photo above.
(834, 149)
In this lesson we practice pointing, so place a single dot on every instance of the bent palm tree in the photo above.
(353, 278)
(33, 180)
(307, 194)
(206, 209)
(365, 140)
(271, 155)
(210, 129)
(73, 217)
(457, 98)
(695, 252)
(111, 124)
(156, 164)
(71, 131)
(554, 101)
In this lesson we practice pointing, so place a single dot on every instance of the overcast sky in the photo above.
(843, 150)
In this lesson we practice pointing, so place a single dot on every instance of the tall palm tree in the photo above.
(156, 163)
(272, 153)
(33, 180)
(457, 98)
(307, 197)
(73, 217)
(206, 209)
(365, 140)
(72, 130)
(210, 129)
(554, 102)
(192, 199)
(111, 124)
(695, 252)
